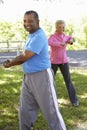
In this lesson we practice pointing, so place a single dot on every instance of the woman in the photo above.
(58, 57)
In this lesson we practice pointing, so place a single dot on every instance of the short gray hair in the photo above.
(59, 22)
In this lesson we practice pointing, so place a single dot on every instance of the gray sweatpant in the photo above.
(38, 92)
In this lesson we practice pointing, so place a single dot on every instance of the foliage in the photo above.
(47, 26)
(69, 30)
(10, 86)
(6, 32)
(20, 32)
(84, 26)
(16, 32)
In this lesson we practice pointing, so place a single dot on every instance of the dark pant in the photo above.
(64, 68)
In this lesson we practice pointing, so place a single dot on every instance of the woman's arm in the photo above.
(53, 41)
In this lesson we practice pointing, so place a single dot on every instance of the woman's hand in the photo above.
(63, 44)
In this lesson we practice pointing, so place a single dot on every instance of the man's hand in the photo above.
(6, 63)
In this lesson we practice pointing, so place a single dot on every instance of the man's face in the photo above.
(30, 23)
(60, 28)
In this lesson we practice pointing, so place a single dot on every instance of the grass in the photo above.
(10, 85)
(73, 115)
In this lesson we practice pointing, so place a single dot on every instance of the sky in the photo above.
(59, 9)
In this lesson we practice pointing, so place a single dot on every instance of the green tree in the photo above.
(70, 29)
(19, 31)
(6, 32)
(47, 26)
(84, 26)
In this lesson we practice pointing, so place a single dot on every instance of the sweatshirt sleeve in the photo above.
(53, 41)
(70, 39)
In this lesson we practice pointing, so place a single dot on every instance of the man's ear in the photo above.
(38, 21)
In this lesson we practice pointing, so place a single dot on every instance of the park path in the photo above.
(76, 58)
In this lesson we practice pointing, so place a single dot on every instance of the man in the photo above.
(38, 90)
(58, 56)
